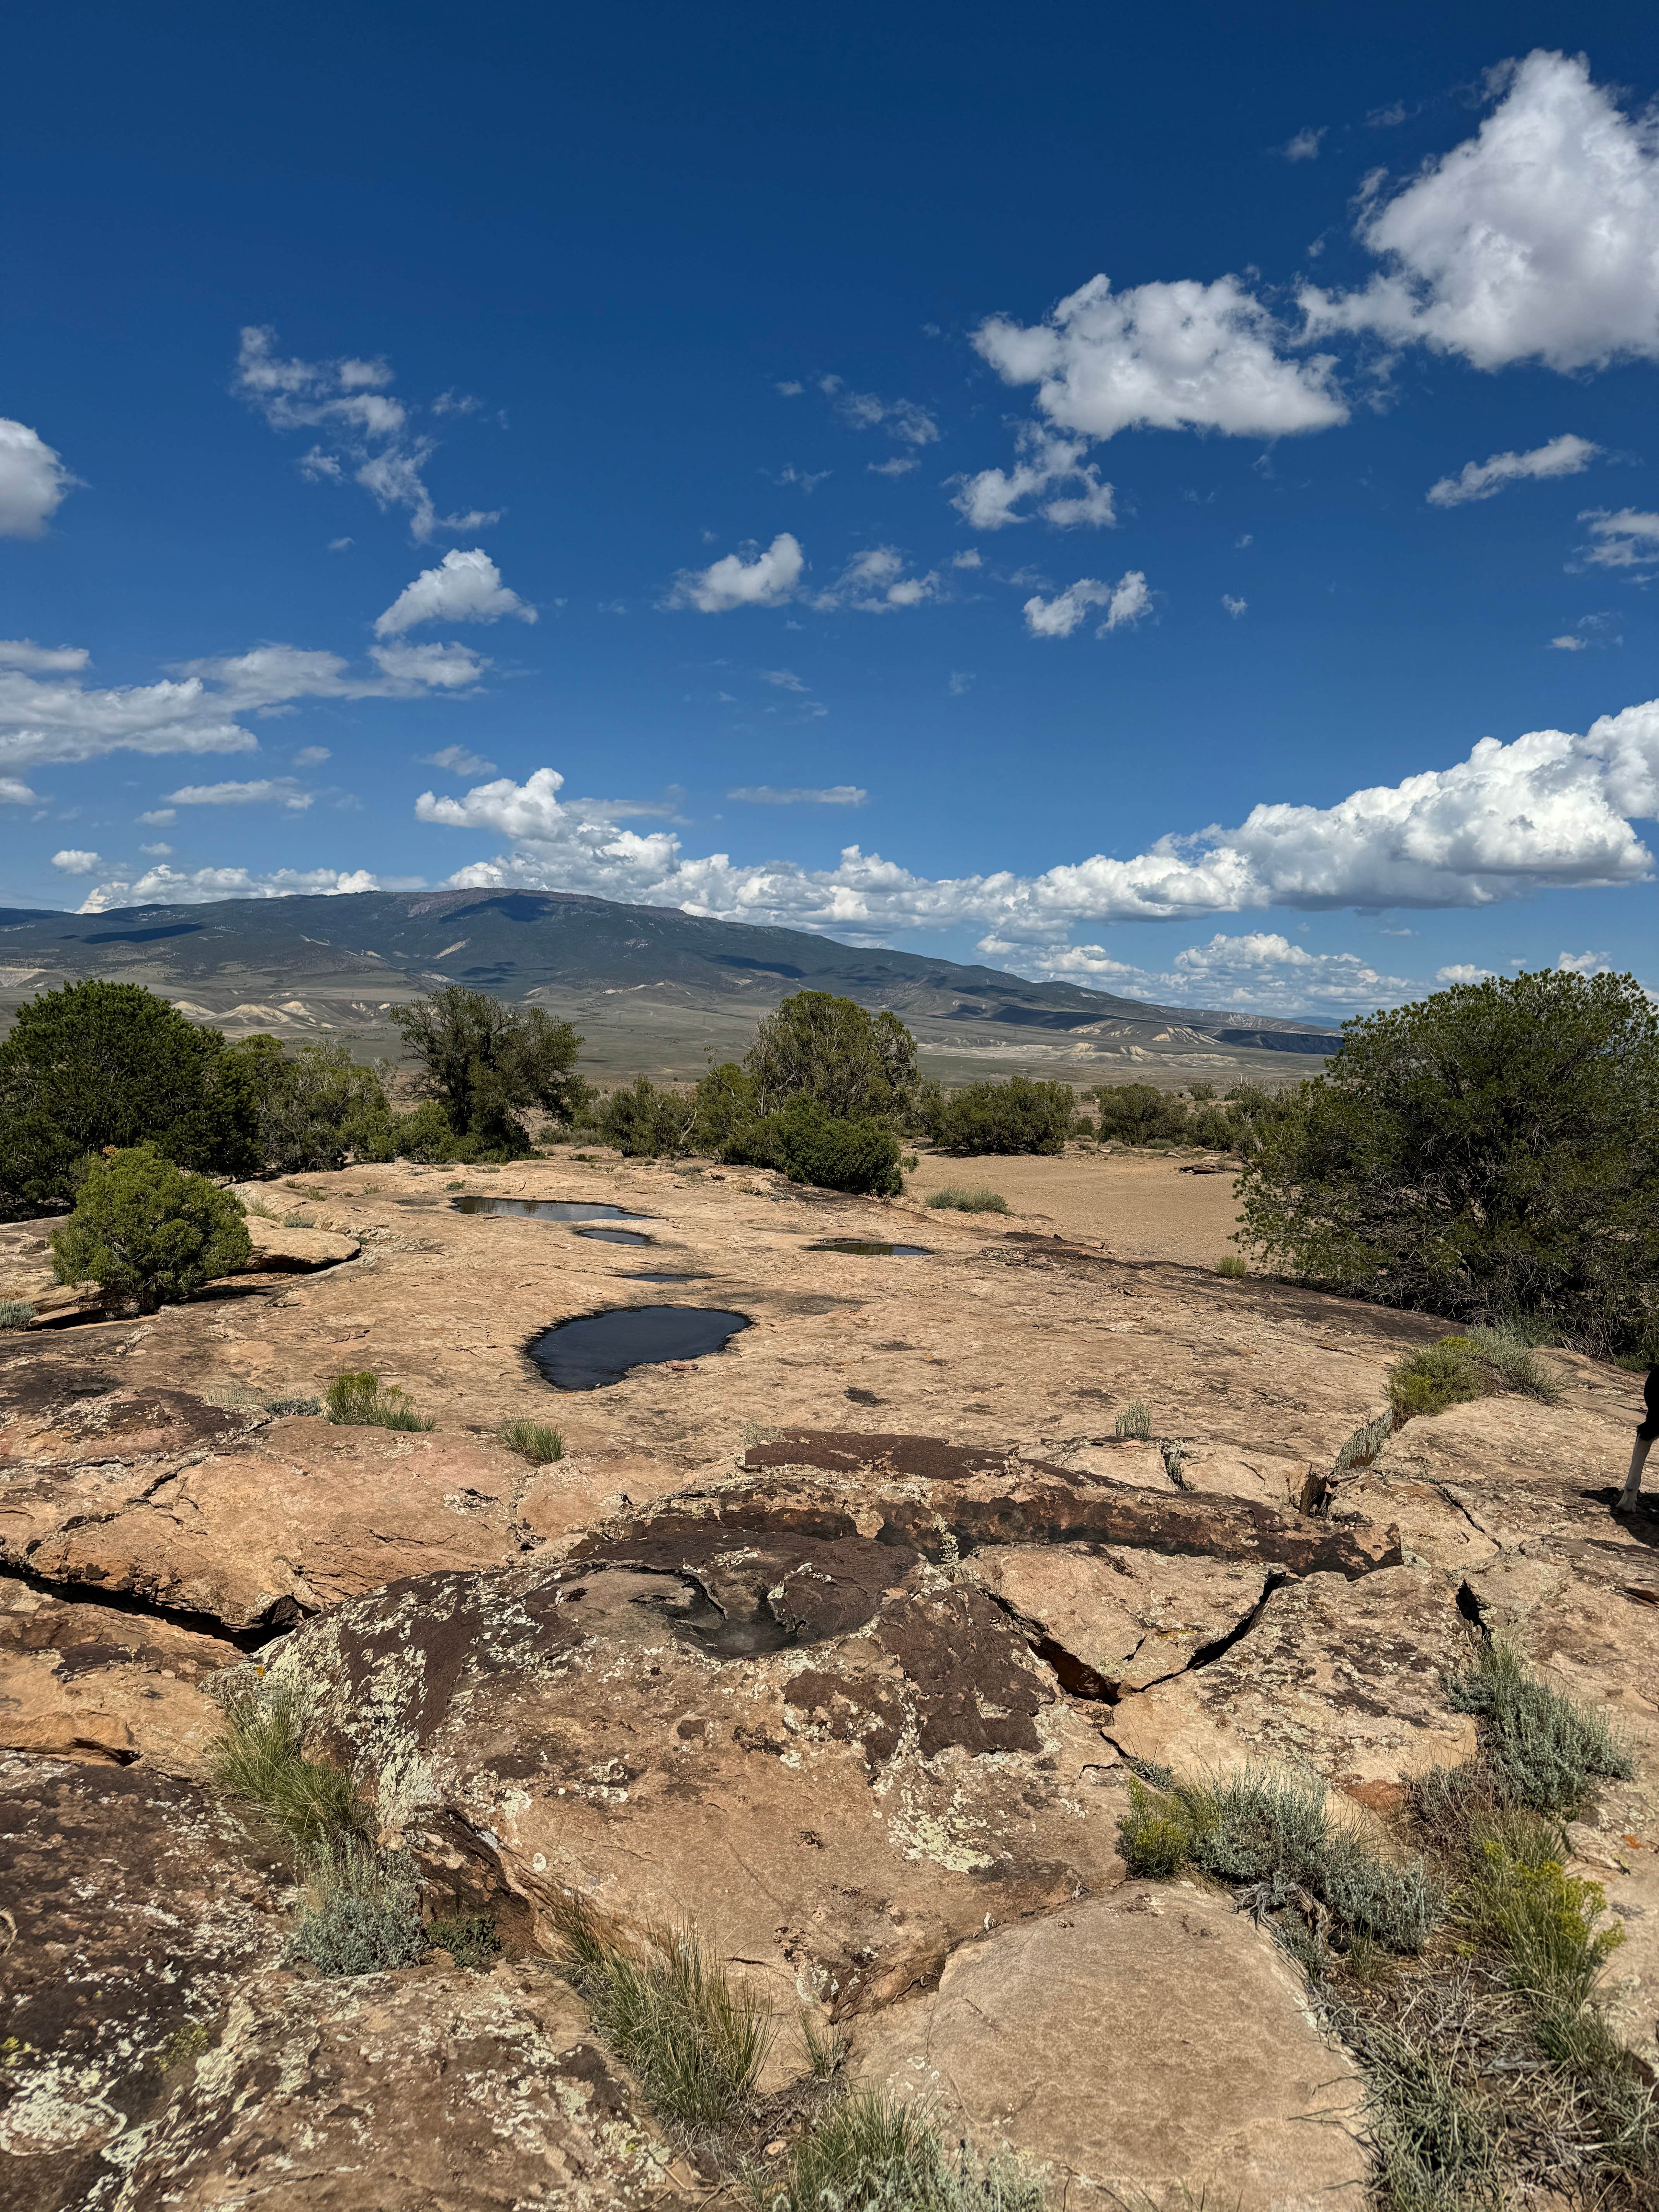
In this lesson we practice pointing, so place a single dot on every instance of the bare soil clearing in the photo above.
(1142, 1206)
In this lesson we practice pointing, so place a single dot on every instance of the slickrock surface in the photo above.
(836, 1642)
(1149, 2038)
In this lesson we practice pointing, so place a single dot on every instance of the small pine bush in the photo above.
(966, 1198)
(358, 1402)
(148, 1233)
(811, 1145)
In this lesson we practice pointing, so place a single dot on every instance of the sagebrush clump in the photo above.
(966, 1198)
(532, 1440)
(1479, 1364)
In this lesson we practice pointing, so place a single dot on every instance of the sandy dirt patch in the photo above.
(1142, 1206)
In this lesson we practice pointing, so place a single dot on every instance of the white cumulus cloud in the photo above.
(1538, 239)
(987, 500)
(1164, 356)
(75, 862)
(1549, 810)
(1565, 456)
(33, 481)
(765, 579)
(168, 886)
(1125, 602)
(463, 587)
(42, 659)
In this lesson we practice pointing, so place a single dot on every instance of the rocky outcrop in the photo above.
(1151, 2048)
(89, 1681)
(400, 2092)
(134, 1905)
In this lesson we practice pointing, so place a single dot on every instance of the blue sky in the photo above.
(1162, 502)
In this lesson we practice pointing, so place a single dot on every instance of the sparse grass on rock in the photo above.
(260, 1758)
(668, 2011)
(871, 2154)
(965, 1198)
(1231, 1267)
(358, 1402)
(1135, 1421)
(1480, 1364)
(532, 1440)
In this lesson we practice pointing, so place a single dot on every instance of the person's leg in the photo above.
(1632, 1489)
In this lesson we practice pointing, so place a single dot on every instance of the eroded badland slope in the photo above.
(837, 1643)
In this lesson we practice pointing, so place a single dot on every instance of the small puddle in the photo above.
(612, 1236)
(656, 1275)
(540, 1209)
(872, 1248)
(595, 1349)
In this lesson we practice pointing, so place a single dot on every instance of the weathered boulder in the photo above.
(401, 2093)
(134, 1904)
(1345, 1678)
(85, 1681)
(248, 1520)
(279, 1249)
(1151, 2048)
(835, 1758)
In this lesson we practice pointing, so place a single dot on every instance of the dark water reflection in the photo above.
(596, 1349)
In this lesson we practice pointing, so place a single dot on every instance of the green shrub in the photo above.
(361, 1918)
(1231, 1267)
(97, 1064)
(147, 1233)
(358, 1402)
(260, 1758)
(1516, 1897)
(316, 1107)
(1015, 1117)
(812, 1146)
(484, 1063)
(1490, 1152)
(427, 1137)
(966, 1198)
(1136, 1113)
(533, 1441)
(665, 2007)
(1544, 1753)
(1275, 1834)
(1479, 1365)
(472, 1939)
(869, 2152)
(857, 1065)
(1437, 2133)
(16, 1313)
(646, 1123)
(1135, 1421)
